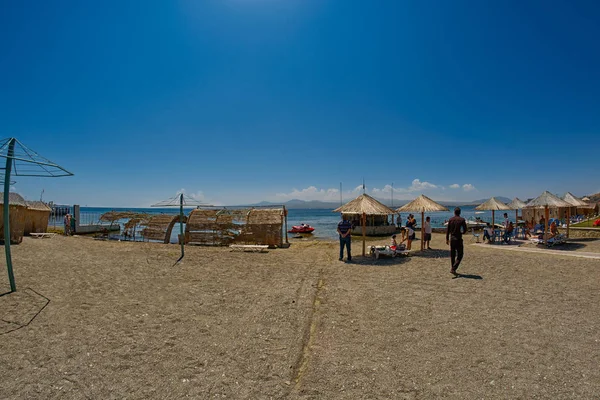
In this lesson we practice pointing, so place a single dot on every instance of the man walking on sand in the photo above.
(345, 230)
(457, 226)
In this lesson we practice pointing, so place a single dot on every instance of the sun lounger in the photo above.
(255, 248)
(42, 235)
(376, 251)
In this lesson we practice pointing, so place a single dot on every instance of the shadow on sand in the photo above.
(467, 276)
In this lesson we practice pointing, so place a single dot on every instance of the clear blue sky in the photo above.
(246, 100)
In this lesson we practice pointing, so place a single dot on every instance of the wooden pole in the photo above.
(364, 232)
(569, 219)
(422, 229)
(493, 220)
(547, 217)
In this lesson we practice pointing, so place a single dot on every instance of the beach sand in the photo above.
(97, 319)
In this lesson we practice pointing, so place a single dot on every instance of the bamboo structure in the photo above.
(17, 216)
(422, 204)
(37, 216)
(159, 227)
(222, 227)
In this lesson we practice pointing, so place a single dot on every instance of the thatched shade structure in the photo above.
(493, 205)
(221, 227)
(364, 205)
(576, 204)
(546, 201)
(585, 198)
(37, 215)
(422, 204)
(160, 226)
(516, 204)
(18, 209)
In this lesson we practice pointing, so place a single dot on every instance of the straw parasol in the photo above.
(493, 205)
(422, 204)
(546, 201)
(364, 205)
(575, 202)
(516, 204)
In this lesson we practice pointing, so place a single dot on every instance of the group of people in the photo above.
(509, 228)
(457, 226)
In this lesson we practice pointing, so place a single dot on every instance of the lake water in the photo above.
(324, 221)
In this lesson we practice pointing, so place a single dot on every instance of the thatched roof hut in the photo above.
(37, 215)
(547, 201)
(17, 212)
(263, 226)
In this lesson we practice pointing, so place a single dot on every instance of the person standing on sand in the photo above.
(457, 226)
(427, 238)
(67, 224)
(345, 230)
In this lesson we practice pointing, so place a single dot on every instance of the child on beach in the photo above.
(427, 236)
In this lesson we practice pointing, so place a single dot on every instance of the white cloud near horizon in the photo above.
(400, 193)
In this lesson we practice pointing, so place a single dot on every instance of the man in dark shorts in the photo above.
(457, 226)
(345, 230)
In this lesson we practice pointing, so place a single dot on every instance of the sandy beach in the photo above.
(96, 319)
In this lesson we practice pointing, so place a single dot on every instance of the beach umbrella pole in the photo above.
(546, 217)
(569, 219)
(9, 160)
(422, 229)
(364, 231)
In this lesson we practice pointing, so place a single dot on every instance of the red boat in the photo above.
(301, 229)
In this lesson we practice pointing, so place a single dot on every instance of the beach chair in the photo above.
(475, 235)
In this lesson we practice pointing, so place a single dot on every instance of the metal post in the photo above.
(9, 161)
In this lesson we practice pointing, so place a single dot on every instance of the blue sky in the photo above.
(239, 101)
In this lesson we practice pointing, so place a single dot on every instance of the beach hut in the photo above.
(422, 204)
(546, 201)
(210, 227)
(18, 209)
(493, 205)
(263, 226)
(37, 215)
(364, 206)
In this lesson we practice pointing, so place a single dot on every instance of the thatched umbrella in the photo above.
(493, 205)
(422, 204)
(585, 198)
(546, 201)
(364, 205)
(575, 202)
(516, 204)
